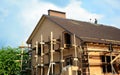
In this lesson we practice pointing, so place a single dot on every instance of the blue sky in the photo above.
(19, 17)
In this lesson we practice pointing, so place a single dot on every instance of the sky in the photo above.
(18, 18)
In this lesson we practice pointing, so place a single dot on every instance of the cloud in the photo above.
(32, 12)
(110, 9)
(75, 11)
(25, 14)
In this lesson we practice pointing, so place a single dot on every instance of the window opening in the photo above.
(39, 51)
(67, 38)
(69, 61)
(106, 66)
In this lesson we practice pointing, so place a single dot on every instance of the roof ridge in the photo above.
(83, 21)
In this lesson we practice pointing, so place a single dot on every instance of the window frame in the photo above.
(68, 43)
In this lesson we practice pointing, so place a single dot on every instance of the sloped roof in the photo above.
(87, 31)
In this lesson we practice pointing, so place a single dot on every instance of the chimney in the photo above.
(57, 13)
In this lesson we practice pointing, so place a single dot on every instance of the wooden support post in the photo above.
(51, 52)
(112, 68)
(51, 55)
(41, 43)
(88, 59)
(88, 65)
(61, 59)
(49, 69)
(115, 59)
(75, 47)
(81, 53)
(49, 59)
(111, 63)
(36, 57)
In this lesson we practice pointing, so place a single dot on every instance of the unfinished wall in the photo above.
(95, 58)
(45, 29)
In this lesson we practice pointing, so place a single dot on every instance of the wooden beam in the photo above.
(115, 59)
(36, 57)
(51, 46)
(97, 50)
(41, 54)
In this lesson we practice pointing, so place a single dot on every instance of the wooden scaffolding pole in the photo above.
(41, 43)
(115, 59)
(75, 47)
(51, 52)
(22, 52)
(81, 52)
(112, 68)
(111, 63)
(61, 56)
(36, 57)
(51, 55)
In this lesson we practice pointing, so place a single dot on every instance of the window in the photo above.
(67, 38)
(68, 61)
(106, 67)
(39, 51)
(79, 72)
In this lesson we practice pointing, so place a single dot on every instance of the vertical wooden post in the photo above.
(49, 58)
(36, 57)
(81, 58)
(51, 52)
(51, 55)
(111, 63)
(70, 70)
(61, 59)
(49, 69)
(41, 54)
(112, 68)
(75, 47)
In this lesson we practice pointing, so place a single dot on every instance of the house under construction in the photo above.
(61, 46)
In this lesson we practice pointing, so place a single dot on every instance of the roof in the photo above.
(87, 31)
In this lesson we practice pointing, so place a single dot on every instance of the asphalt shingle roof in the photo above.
(87, 31)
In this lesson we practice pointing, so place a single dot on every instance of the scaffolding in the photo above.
(25, 60)
(81, 56)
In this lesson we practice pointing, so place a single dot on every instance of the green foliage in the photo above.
(8, 64)
(25, 62)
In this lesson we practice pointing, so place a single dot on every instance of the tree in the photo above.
(8, 64)
(25, 62)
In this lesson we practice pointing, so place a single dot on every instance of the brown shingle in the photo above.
(88, 31)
